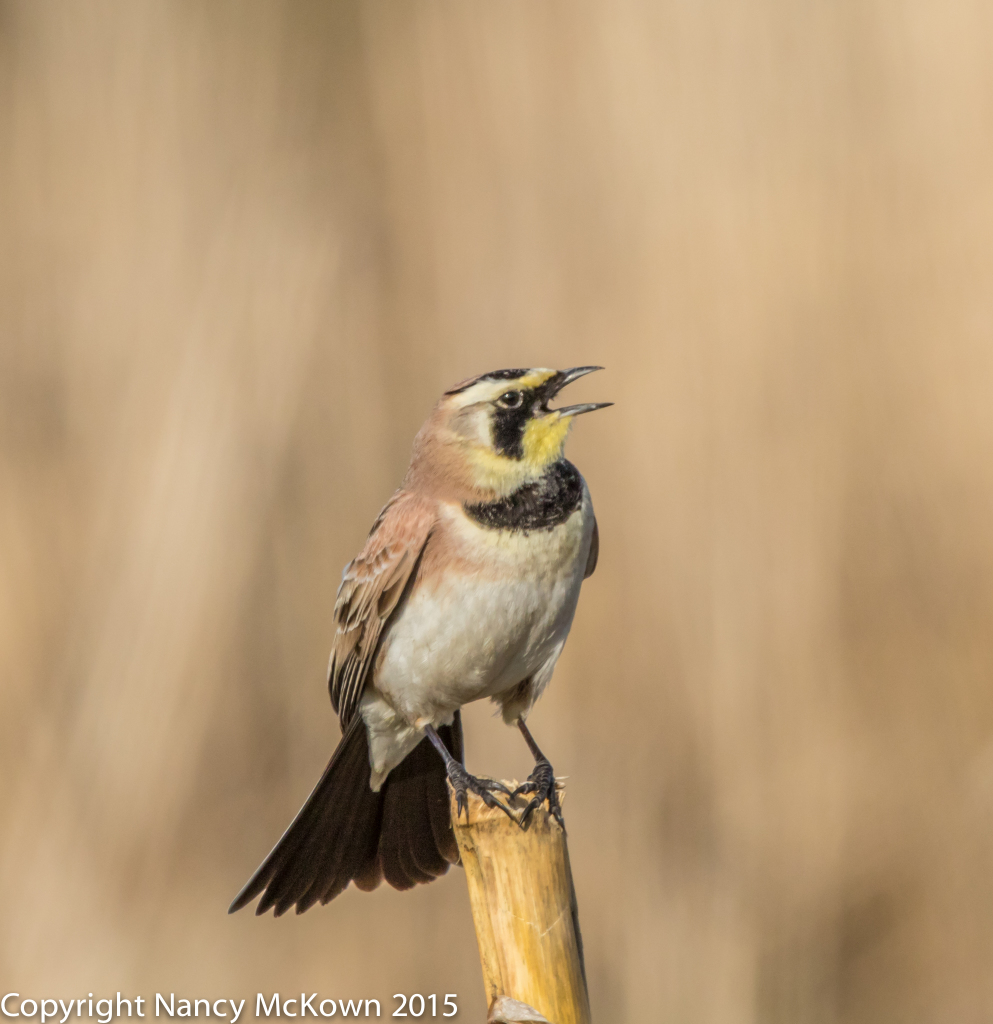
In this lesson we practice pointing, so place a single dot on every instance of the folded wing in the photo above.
(372, 588)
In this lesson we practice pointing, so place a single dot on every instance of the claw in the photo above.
(541, 782)
(491, 784)
(462, 782)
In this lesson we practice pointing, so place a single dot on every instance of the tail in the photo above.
(347, 833)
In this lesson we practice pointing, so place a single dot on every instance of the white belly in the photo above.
(469, 635)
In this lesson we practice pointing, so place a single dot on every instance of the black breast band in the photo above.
(542, 505)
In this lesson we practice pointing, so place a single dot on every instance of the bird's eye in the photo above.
(511, 399)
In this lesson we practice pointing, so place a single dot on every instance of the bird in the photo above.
(465, 589)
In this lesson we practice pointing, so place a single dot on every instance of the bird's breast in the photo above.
(490, 607)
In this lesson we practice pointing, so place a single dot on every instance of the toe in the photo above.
(525, 819)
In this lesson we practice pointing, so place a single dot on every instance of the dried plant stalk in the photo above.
(525, 913)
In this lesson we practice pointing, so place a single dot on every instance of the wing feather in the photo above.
(372, 586)
(594, 554)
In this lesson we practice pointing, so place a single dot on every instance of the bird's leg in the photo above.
(541, 782)
(462, 782)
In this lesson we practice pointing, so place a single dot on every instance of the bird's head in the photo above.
(497, 430)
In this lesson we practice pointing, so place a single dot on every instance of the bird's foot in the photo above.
(541, 782)
(463, 783)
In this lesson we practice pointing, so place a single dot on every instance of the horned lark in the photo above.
(466, 588)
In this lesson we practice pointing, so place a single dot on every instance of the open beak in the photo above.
(559, 381)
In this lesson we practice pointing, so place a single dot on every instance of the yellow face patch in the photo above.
(544, 439)
(498, 473)
(533, 379)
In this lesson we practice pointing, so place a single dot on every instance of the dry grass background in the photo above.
(243, 247)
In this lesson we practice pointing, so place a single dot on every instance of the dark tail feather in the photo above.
(408, 852)
(345, 832)
(322, 842)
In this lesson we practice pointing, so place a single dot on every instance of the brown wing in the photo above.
(594, 554)
(371, 588)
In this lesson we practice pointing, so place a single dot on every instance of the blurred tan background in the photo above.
(243, 248)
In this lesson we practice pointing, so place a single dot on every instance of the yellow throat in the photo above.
(542, 443)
